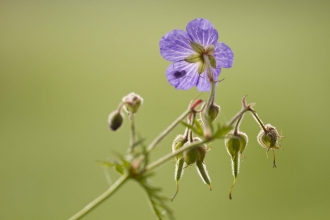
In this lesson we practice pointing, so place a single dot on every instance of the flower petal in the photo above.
(203, 84)
(223, 55)
(175, 46)
(182, 75)
(202, 31)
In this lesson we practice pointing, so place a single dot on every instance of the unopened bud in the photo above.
(214, 111)
(132, 102)
(115, 120)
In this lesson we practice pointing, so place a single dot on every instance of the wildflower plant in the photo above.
(197, 59)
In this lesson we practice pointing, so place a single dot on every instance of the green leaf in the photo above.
(199, 127)
(108, 164)
(222, 131)
(194, 129)
(156, 201)
(119, 169)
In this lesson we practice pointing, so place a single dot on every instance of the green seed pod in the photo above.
(115, 120)
(197, 153)
(132, 103)
(178, 174)
(178, 142)
(190, 156)
(269, 139)
(202, 171)
(235, 144)
(193, 154)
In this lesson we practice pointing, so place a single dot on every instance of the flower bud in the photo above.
(115, 119)
(132, 102)
(235, 144)
(214, 111)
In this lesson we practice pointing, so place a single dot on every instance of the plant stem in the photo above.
(210, 100)
(238, 115)
(205, 113)
(167, 130)
(171, 155)
(113, 188)
(259, 121)
(132, 139)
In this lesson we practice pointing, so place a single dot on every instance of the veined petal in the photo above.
(202, 31)
(175, 46)
(182, 75)
(223, 55)
(203, 84)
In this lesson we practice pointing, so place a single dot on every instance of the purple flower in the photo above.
(194, 53)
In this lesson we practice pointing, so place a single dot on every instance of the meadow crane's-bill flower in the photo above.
(196, 54)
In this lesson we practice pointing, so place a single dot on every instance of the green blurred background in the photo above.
(65, 65)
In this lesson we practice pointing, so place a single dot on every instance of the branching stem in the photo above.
(113, 188)
(168, 130)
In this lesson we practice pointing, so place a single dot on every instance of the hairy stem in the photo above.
(113, 188)
(167, 130)
(132, 138)
(237, 125)
(171, 155)
(238, 115)
(210, 100)
(259, 121)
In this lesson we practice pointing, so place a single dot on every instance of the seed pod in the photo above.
(269, 139)
(115, 120)
(197, 155)
(235, 144)
(189, 157)
(178, 142)
(194, 154)
(178, 174)
(202, 171)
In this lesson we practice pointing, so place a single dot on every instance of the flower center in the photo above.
(203, 56)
